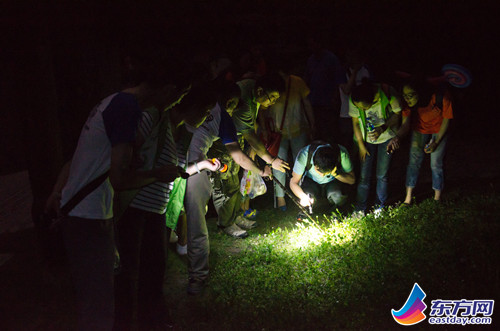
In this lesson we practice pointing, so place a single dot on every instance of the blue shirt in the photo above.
(301, 162)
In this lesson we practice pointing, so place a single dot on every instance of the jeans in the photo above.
(418, 142)
(331, 190)
(90, 248)
(296, 144)
(383, 160)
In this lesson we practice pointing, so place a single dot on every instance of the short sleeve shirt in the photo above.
(430, 117)
(111, 122)
(301, 162)
(295, 122)
(245, 116)
(217, 125)
(376, 116)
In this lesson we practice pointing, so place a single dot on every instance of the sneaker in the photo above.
(195, 286)
(377, 212)
(250, 213)
(244, 223)
(235, 231)
(182, 249)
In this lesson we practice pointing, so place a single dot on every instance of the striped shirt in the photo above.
(154, 197)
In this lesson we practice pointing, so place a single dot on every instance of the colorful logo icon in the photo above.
(413, 310)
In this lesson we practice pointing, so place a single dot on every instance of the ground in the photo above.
(35, 297)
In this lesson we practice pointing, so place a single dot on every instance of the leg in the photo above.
(297, 144)
(281, 176)
(383, 162)
(365, 176)
(418, 142)
(437, 168)
(152, 309)
(90, 248)
(245, 203)
(198, 192)
(130, 234)
(334, 193)
(182, 230)
(227, 197)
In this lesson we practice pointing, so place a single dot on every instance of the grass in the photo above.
(350, 273)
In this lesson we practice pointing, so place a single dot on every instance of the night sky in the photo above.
(58, 60)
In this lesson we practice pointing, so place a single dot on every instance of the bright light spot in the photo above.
(305, 236)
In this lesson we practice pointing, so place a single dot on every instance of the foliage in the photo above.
(350, 273)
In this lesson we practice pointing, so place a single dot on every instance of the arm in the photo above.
(244, 161)
(259, 147)
(402, 132)
(347, 177)
(442, 130)
(54, 200)
(359, 137)
(391, 122)
(123, 178)
(297, 190)
(261, 122)
(212, 165)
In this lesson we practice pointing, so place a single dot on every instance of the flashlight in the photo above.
(223, 166)
(311, 202)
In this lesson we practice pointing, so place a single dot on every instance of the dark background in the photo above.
(59, 59)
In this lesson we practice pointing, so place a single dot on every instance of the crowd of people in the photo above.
(151, 156)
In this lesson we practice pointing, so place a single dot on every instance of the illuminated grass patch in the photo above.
(338, 274)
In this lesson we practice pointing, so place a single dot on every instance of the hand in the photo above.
(279, 165)
(53, 203)
(211, 164)
(266, 172)
(363, 152)
(306, 201)
(393, 145)
(334, 172)
(431, 147)
(167, 174)
(373, 136)
(252, 154)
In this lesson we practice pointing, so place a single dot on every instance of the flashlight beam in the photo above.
(295, 200)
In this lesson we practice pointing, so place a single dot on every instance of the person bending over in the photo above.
(319, 171)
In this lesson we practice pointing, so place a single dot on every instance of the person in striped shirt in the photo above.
(142, 230)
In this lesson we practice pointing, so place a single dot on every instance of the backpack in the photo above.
(312, 149)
